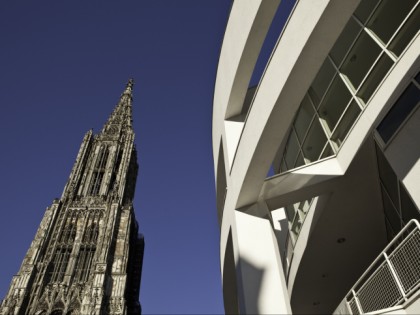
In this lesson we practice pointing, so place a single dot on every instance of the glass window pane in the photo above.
(334, 103)
(375, 77)
(296, 227)
(289, 251)
(406, 33)
(303, 118)
(302, 215)
(408, 209)
(399, 112)
(290, 212)
(360, 59)
(283, 166)
(300, 161)
(292, 150)
(388, 17)
(391, 213)
(364, 9)
(346, 123)
(304, 205)
(387, 176)
(321, 82)
(390, 234)
(343, 43)
(328, 151)
(314, 142)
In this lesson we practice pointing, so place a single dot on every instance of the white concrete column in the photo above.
(261, 283)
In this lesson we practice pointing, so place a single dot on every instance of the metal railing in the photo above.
(391, 279)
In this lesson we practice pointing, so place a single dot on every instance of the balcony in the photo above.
(392, 281)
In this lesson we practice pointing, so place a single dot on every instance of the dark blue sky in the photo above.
(63, 66)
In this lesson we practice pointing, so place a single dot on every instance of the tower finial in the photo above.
(122, 114)
(129, 86)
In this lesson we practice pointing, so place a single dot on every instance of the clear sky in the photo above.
(63, 66)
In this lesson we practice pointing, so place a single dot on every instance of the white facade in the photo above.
(336, 119)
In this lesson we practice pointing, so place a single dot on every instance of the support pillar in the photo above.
(261, 284)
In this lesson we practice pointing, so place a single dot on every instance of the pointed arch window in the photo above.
(98, 171)
(88, 247)
(115, 169)
(64, 248)
(68, 235)
(60, 262)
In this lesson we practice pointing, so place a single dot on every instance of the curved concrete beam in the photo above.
(245, 33)
(293, 66)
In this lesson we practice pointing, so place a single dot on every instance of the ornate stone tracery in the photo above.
(68, 267)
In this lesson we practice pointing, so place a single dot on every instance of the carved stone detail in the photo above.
(68, 266)
(100, 267)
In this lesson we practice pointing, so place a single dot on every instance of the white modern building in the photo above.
(317, 167)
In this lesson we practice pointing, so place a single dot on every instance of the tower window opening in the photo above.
(91, 234)
(88, 247)
(68, 234)
(98, 172)
(115, 169)
(65, 245)
(59, 264)
(84, 263)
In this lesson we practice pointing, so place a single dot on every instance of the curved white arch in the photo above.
(246, 149)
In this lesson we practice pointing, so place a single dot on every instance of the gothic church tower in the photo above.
(87, 255)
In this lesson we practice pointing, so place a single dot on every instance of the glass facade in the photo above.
(400, 111)
(296, 215)
(370, 44)
(397, 204)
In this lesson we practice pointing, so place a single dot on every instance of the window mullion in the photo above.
(402, 24)
(415, 83)
(341, 116)
(380, 44)
(369, 71)
(331, 81)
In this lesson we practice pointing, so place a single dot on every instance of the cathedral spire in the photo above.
(121, 117)
(86, 257)
(129, 87)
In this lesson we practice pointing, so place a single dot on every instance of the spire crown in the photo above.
(129, 87)
(121, 117)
